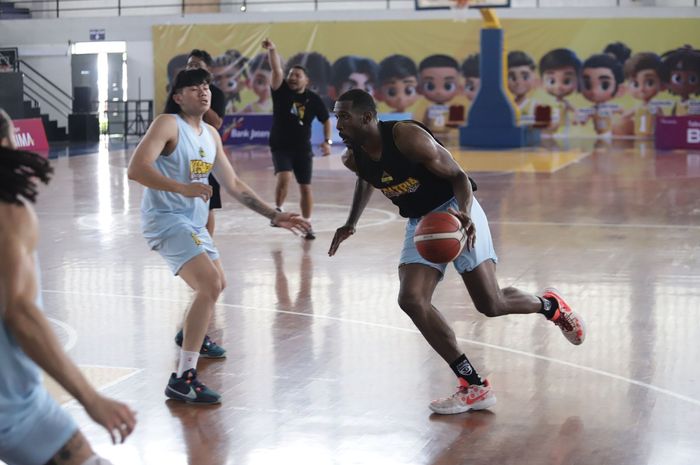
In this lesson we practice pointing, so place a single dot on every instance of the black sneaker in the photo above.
(272, 223)
(188, 389)
(209, 349)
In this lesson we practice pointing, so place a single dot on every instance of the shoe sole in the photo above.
(212, 357)
(174, 395)
(583, 323)
(489, 402)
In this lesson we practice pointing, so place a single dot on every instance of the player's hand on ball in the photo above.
(341, 234)
(291, 221)
(468, 226)
(197, 189)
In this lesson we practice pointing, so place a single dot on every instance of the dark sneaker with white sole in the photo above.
(188, 389)
(209, 349)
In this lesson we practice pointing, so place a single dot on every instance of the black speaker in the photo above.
(83, 128)
(82, 100)
(11, 85)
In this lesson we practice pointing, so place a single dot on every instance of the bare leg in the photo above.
(205, 278)
(211, 223)
(307, 200)
(283, 178)
(493, 301)
(418, 283)
(76, 451)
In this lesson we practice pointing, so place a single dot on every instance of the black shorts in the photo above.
(215, 200)
(299, 161)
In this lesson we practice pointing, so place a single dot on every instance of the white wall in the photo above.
(44, 42)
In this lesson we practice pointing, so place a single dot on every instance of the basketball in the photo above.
(439, 237)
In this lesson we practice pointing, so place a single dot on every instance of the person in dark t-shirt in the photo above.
(214, 116)
(415, 171)
(294, 108)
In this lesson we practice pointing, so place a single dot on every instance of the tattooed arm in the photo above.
(238, 189)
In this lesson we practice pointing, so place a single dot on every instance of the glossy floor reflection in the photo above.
(324, 368)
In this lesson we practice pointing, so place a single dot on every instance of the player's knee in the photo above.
(212, 288)
(413, 304)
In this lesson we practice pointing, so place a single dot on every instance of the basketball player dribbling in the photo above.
(405, 161)
(34, 429)
(173, 161)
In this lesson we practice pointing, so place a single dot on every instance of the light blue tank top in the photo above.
(191, 161)
(20, 381)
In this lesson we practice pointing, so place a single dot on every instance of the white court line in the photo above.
(635, 382)
(597, 225)
(72, 333)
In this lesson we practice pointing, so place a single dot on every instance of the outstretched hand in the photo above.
(341, 234)
(117, 418)
(267, 44)
(292, 221)
(468, 226)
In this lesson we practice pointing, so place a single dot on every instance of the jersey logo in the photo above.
(202, 153)
(409, 186)
(196, 239)
(200, 169)
(386, 177)
(299, 109)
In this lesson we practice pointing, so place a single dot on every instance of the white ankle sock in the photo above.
(187, 360)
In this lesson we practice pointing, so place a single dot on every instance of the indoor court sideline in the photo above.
(324, 368)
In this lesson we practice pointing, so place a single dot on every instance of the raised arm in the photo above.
(161, 138)
(419, 146)
(31, 329)
(275, 64)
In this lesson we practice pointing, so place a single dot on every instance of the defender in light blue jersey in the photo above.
(34, 430)
(173, 162)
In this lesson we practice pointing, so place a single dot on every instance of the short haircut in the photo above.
(518, 58)
(619, 50)
(438, 61)
(603, 60)
(347, 65)
(644, 61)
(19, 171)
(202, 55)
(361, 100)
(470, 66)
(559, 58)
(396, 67)
(185, 78)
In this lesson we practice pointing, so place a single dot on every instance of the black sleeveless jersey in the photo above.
(409, 185)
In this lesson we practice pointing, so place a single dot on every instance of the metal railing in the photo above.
(65, 8)
(43, 92)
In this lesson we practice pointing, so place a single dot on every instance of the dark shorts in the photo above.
(215, 201)
(299, 161)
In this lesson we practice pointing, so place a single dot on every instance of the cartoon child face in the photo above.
(471, 87)
(684, 83)
(645, 85)
(439, 84)
(598, 84)
(260, 83)
(521, 79)
(357, 81)
(560, 83)
(400, 94)
(228, 78)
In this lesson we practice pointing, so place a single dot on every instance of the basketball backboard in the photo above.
(445, 4)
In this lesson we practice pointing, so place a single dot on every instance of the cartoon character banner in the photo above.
(593, 77)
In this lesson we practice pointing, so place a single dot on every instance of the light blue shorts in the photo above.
(43, 430)
(182, 243)
(468, 259)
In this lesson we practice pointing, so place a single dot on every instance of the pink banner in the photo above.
(678, 132)
(30, 135)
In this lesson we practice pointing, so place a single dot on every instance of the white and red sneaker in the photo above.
(570, 323)
(471, 397)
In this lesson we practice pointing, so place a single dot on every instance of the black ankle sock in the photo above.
(549, 307)
(463, 369)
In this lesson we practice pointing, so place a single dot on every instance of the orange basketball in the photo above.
(439, 237)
